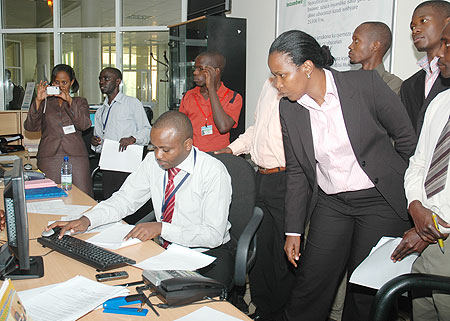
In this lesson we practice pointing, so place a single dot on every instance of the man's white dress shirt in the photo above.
(200, 217)
(124, 117)
(436, 117)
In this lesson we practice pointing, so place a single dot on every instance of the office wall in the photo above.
(405, 54)
(261, 32)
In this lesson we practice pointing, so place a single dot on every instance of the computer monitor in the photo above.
(15, 261)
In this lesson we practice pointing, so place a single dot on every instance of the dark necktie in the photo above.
(437, 175)
(170, 205)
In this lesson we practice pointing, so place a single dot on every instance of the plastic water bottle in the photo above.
(66, 174)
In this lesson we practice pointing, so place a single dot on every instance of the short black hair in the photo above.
(219, 60)
(70, 72)
(115, 71)
(379, 31)
(300, 46)
(176, 120)
(441, 6)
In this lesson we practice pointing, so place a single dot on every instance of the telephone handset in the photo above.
(182, 290)
(190, 282)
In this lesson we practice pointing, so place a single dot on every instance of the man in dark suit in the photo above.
(343, 174)
(428, 20)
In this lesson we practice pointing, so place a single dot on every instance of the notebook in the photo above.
(44, 192)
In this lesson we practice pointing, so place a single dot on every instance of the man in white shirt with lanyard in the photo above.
(121, 118)
(427, 188)
(190, 191)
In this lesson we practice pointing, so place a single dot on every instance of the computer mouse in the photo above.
(50, 232)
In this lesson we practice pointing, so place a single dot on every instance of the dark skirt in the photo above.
(81, 176)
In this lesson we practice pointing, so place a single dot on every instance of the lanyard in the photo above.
(164, 204)
(107, 115)
(210, 113)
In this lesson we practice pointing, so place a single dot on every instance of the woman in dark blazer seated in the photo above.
(61, 119)
(344, 176)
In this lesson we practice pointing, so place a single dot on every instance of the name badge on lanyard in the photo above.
(69, 129)
(207, 130)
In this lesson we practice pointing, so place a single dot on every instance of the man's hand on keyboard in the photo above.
(79, 225)
(145, 231)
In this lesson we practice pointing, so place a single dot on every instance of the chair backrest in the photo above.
(244, 192)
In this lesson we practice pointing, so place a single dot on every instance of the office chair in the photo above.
(386, 297)
(244, 217)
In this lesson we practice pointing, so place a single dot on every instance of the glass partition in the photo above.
(28, 58)
(145, 68)
(88, 54)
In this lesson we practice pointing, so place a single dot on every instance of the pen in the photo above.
(440, 241)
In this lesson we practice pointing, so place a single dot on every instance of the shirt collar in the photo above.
(220, 92)
(118, 98)
(380, 69)
(188, 164)
(330, 92)
(423, 63)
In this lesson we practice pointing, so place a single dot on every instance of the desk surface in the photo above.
(59, 268)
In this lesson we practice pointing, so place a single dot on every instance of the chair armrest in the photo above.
(386, 296)
(240, 269)
(94, 171)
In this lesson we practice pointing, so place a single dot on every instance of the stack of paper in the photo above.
(68, 300)
(38, 183)
(112, 237)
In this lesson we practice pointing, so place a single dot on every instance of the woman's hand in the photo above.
(41, 93)
(65, 95)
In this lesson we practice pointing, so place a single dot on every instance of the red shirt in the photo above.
(199, 111)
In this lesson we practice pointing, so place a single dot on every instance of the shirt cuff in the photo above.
(238, 147)
(292, 234)
(168, 230)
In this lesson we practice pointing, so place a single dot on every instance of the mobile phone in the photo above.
(109, 276)
(53, 90)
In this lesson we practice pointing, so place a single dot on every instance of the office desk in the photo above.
(59, 268)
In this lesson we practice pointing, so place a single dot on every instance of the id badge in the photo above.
(207, 130)
(69, 129)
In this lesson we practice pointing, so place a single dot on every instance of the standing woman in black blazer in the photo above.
(344, 176)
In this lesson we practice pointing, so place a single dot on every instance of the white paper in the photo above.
(207, 314)
(126, 161)
(177, 257)
(56, 207)
(378, 268)
(70, 300)
(112, 237)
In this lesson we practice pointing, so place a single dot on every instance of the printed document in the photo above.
(69, 300)
(378, 268)
(112, 237)
(125, 161)
(177, 257)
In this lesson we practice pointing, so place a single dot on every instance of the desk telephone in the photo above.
(181, 290)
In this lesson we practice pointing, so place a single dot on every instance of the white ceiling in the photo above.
(91, 13)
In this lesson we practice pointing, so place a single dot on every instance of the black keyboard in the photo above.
(85, 252)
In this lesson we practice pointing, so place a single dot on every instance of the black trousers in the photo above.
(112, 181)
(222, 268)
(272, 276)
(343, 229)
